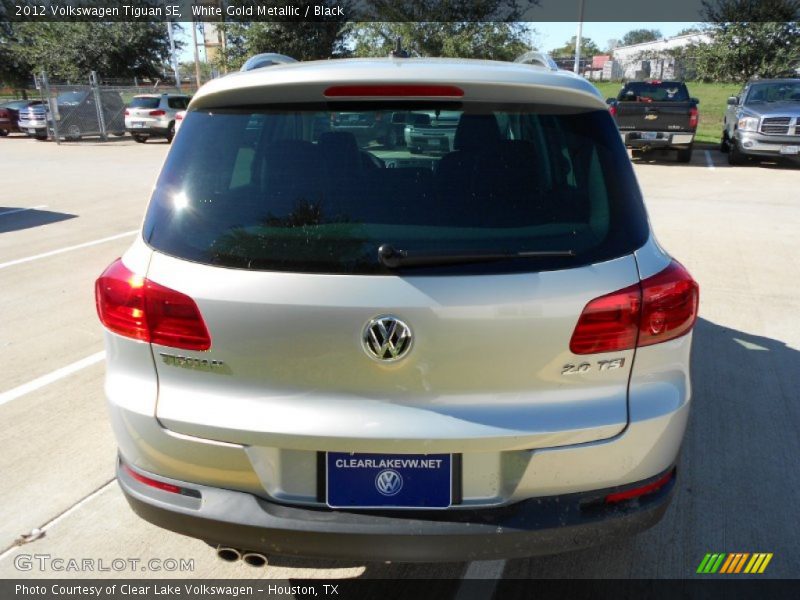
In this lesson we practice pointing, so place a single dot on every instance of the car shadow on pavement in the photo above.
(737, 477)
(27, 219)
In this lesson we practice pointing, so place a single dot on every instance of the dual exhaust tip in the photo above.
(232, 555)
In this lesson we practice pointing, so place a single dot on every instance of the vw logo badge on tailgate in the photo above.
(387, 339)
(389, 482)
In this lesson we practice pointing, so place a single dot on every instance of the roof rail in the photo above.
(537, 59)
(267, 59)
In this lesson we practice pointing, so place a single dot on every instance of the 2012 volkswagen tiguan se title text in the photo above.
(326, 347)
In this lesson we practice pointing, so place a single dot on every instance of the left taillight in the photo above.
(693, 117)
(134, 307)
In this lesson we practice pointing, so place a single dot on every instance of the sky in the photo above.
(554, 35)
(547, 37)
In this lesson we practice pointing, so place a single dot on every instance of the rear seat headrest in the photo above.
(475, 132)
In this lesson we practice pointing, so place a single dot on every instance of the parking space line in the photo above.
(63, 515)
(51, 377)
(20, 261)
(488, 571)
(710, 161)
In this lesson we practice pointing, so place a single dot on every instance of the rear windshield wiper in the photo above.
(392, 258)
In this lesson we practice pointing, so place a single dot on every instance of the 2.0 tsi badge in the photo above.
(387, 338)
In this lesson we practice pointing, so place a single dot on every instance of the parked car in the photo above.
(431, 131)
(77, 116)
(656, 114)
(430, 358)
(9, 114)
(153, 115)
(763, 120)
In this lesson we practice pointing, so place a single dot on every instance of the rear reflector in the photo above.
(660, 308)
(394, 91)
(640, 491)
(159, 485)
(137, 308)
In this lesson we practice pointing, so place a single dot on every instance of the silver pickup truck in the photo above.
(763, 120)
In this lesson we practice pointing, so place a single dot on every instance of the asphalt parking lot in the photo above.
(67, 211)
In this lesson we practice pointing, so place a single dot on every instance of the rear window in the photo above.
(665, 91)
(320, 188)
(179, 103)
(145, 102)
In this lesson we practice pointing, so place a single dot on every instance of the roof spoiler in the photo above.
(537, 59)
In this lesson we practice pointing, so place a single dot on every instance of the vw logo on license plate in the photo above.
(389, 482)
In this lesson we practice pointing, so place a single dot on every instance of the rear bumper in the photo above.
(152, 131)
(532, 527)
(664, 139)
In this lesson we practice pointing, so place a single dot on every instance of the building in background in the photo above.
(652, 59)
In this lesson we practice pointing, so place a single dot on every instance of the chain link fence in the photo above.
(74, 111)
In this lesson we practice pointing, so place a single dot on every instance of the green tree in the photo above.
(588, 48)
(639, 36)
(488, 40)
(70, 51)
(15, 66)
(302, 40)
(488, 29)
(748, 39)
(295, 37)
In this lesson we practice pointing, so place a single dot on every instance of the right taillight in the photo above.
(135, 307)
(693, 117)
(669, 305)
(660, 308)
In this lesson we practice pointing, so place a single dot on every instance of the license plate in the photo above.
(389, 480)
(790, 149)
(32, 130)
(138, 124)
(650, 135)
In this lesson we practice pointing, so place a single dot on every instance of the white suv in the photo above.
(153, 115)
(328, 349)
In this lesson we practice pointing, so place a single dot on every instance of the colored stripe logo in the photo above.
(734, 562)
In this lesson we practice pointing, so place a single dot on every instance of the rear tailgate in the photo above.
(653, 116)
(488, 370)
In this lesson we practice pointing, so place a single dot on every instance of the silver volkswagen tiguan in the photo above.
(326, 347)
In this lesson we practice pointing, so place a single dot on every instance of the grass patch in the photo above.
(713, 102)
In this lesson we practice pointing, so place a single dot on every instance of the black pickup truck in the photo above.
(656, 115)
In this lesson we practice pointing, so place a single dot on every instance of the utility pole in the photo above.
(196, 55)
(578, 37)
(173, 57)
